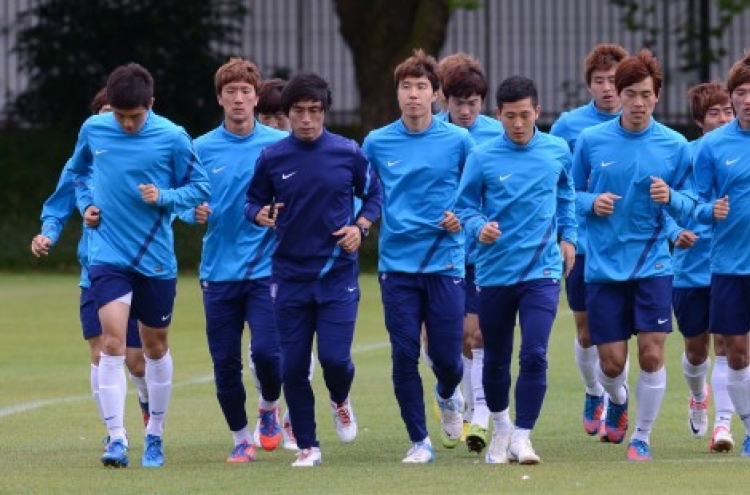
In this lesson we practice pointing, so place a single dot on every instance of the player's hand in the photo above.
(351, 238)
(202, 211)
(604, 204)
(40, 245)
(92, 216)
(149, 193)
(686, 239)
(267, 215)
(450, 222)
(490, 233)
(721, 208)
(568, 251)
(660, 192)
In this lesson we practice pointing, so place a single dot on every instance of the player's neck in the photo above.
(240, 128)
(417, 123)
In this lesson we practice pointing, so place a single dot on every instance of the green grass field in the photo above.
(50, 437)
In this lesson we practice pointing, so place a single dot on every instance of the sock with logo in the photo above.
(159, 381)
(587, 360)
(112, 389)
(738, 385)
(649, 394)
(722, 401)
(94, 380)
(695, 375)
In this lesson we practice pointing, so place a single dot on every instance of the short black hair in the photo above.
(269, 96)
(516, 88)
(130, 86)
(306, 86)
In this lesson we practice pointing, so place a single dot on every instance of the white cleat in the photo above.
(451, 418)
(420, 453)
(497, 453)
(522, 452)
(344, 420)
(288, 440)
(721, 439)
(698, 416)
(308, 458)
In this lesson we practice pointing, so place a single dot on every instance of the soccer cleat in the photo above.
(698, 416)
(289, 441)
(498, 451)
(242, 453)
(721, 439)
(115, 454)
(593, 407)
(308, 458)
(153, 452)
(344, 420)
(465, 430)
(522, 452)
(144, 411)
(420, 453)
(269, 431)
(451, 418)
(616, 423)
(746, 446)
(638, 450)
(476, 440)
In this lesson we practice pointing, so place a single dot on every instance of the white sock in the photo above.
(501, 421)
(649, 394)
(722, 401)
(251, 365)
(267, 405)
(140, 385)
(312, 367)
(481, 416)
(425, 355)
(695, 375)
(587, 361)
(159, 379)
(242, 436)
(112, 389)
(615, 387)
(738, 386)
(94, 380)
(467, 389)
(520, 434)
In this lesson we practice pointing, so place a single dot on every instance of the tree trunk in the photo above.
(381, 34)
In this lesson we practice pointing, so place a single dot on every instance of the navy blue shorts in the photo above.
(575, 287)
(730, 304)
(153, 298)
(691, 308)
(92, 327)
(619, 310)
(471, 306)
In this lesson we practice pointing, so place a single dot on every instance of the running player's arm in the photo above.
(469, 198)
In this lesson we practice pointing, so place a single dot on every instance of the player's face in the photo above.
(717, 116)
(306, 120)
(131, 120)
(415, 97)
(741, 103)
(602, 90)
(277, 120)
(518, 119)
(464, 111)
(638, 102)
(238, 99)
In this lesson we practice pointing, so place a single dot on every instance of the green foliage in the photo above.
(465, 4)
(67, 48)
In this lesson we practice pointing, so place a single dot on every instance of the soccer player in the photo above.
(268, 110)
(143, 169)
(304, 187)
(625, 170)
(599, 71)
(722, 181)
(419, 160)
(464, 84)
(55, 213)
(516, 197)
(710, 108)
(236, 262)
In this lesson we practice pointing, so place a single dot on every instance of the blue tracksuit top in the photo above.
(691, 266)
(569, 126)
(316, 181)
(133, 234)
(420, 172)
(722, 168)
(528, 190)
(233, 249)
(632, 242)
(55, 214)
(483, 129)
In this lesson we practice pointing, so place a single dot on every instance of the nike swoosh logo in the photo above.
(662, 322)
(107, 419)
(351, 289)
(286, 176)
(165, 318)
(456, 281)
(693, 428)
(390, 164)
(732, 162)
(607, 164)
(219, 169)
(99, 152)
(504, 177)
